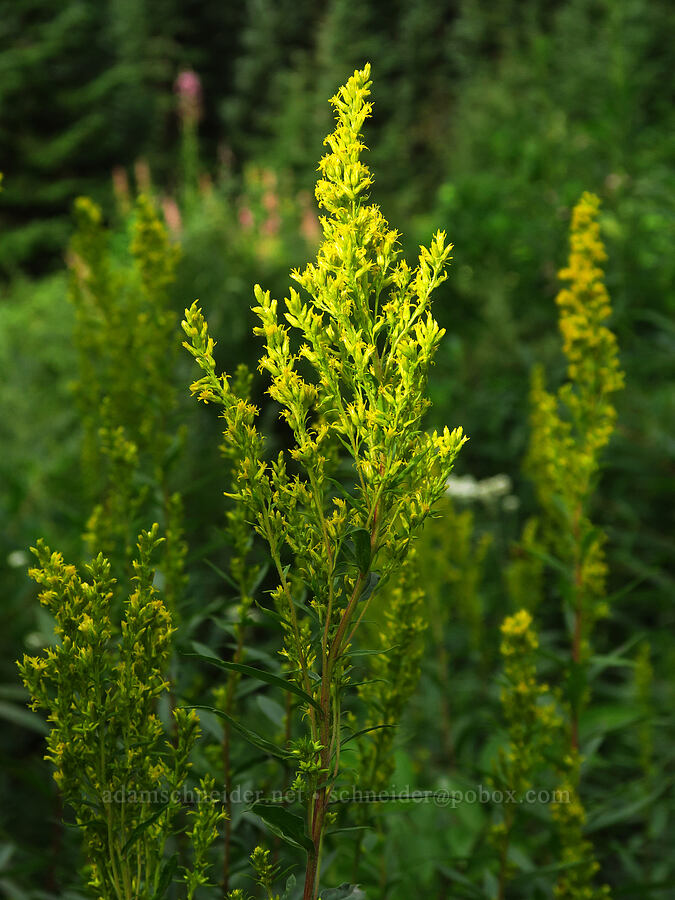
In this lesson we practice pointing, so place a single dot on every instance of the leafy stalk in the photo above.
(349, 373)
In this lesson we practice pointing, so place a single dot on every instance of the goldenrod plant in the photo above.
(243, 575)
(339, 511)
(533, 725)
(102, 684)
(569, 430)
(125, 337)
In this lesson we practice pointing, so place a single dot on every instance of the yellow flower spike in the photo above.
(367, 339)
(569, 429)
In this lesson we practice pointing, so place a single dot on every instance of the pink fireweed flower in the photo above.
(270, 201)
(188, 88)
(172, 216)
(271, 225)
(246, 219)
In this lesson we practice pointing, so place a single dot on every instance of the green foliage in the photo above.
(113, 762)
(369, 353)
(102, 68)
(494, 120)
(124, 336)
(533, 724)
(569, 430)
(393, 673)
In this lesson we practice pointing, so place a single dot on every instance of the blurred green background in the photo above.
(490, 120)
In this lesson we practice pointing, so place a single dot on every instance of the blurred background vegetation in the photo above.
(490, 120)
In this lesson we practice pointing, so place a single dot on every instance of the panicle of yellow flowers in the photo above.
(265, 872)
(100, 685)
(532, 721)
(563, 458)
(568, 432)
(577, 879)
(348, 363)
(125, 336)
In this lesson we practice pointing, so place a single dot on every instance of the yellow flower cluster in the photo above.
(563, 456)
(532, 720)
(576, 881)
(126, 340)
(569, 429)
(101, 685)
(589, 345)
(347, 361)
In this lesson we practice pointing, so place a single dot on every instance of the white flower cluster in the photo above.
(488, 490)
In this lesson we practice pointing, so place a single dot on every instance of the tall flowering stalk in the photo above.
(349, 371)
(125, 337)
(188, 89)
(101, 684)
(569, 431)
(533, 725)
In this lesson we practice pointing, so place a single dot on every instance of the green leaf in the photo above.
(284, 824)
(253, 737)
(260, 577)
(362, 548)
(203, 650)
(352, 737)
(606, 718)
(290, 886)
(224, 575)
(345, 559)
(592, 534)
(271, 614)
(370, 585)
(14, 692)
(143, 826)
(627, 812)
(354, 552)
(459, 878)
(355, 653)
(551, 561)
(273, 710)
(166, 876)
(260, 674)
